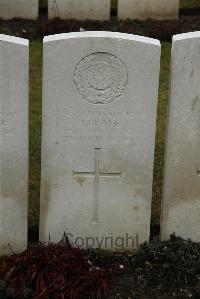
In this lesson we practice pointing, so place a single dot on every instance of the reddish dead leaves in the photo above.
(54, 271)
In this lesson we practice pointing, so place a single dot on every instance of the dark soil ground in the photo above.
(162, 30)
(158, 270)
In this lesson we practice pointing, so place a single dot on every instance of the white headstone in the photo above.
(14, 66)
(181, 202)
(99, 120)
(79, 9)
(148, 9)
(26, 9)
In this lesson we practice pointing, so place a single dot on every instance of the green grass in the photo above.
(35, 130)
(189, 3)
(160, 134)
(43, 3)
(114, 3)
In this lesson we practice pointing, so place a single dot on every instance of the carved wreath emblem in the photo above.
(100, 78)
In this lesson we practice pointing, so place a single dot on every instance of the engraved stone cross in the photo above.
(97, 174)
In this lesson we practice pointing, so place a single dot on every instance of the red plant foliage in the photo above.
(55, 271)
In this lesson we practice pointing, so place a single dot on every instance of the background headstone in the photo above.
(14, 64)
(148, 9)
(79, 9)
(99, 120)
(181, 202)
(26, 9)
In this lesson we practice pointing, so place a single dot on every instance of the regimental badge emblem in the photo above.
(100, 78)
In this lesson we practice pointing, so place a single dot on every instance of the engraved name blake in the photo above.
(99, 122)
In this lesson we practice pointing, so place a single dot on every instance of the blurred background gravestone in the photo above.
(79, 9)
(148, 9)
(26, 9)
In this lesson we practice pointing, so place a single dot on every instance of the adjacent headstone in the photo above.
(181, 202)
(99, 121)
(148, 9)
(14, 64)
(79, 9)
(26, 9)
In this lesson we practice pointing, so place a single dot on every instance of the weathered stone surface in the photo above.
(148, 9)
(26, 9)
(181, 203)
(99, 119)
(13, 143)
(79, 9)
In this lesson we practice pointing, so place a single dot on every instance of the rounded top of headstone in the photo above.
(102, 34)
(14, 40)
(184, 36)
